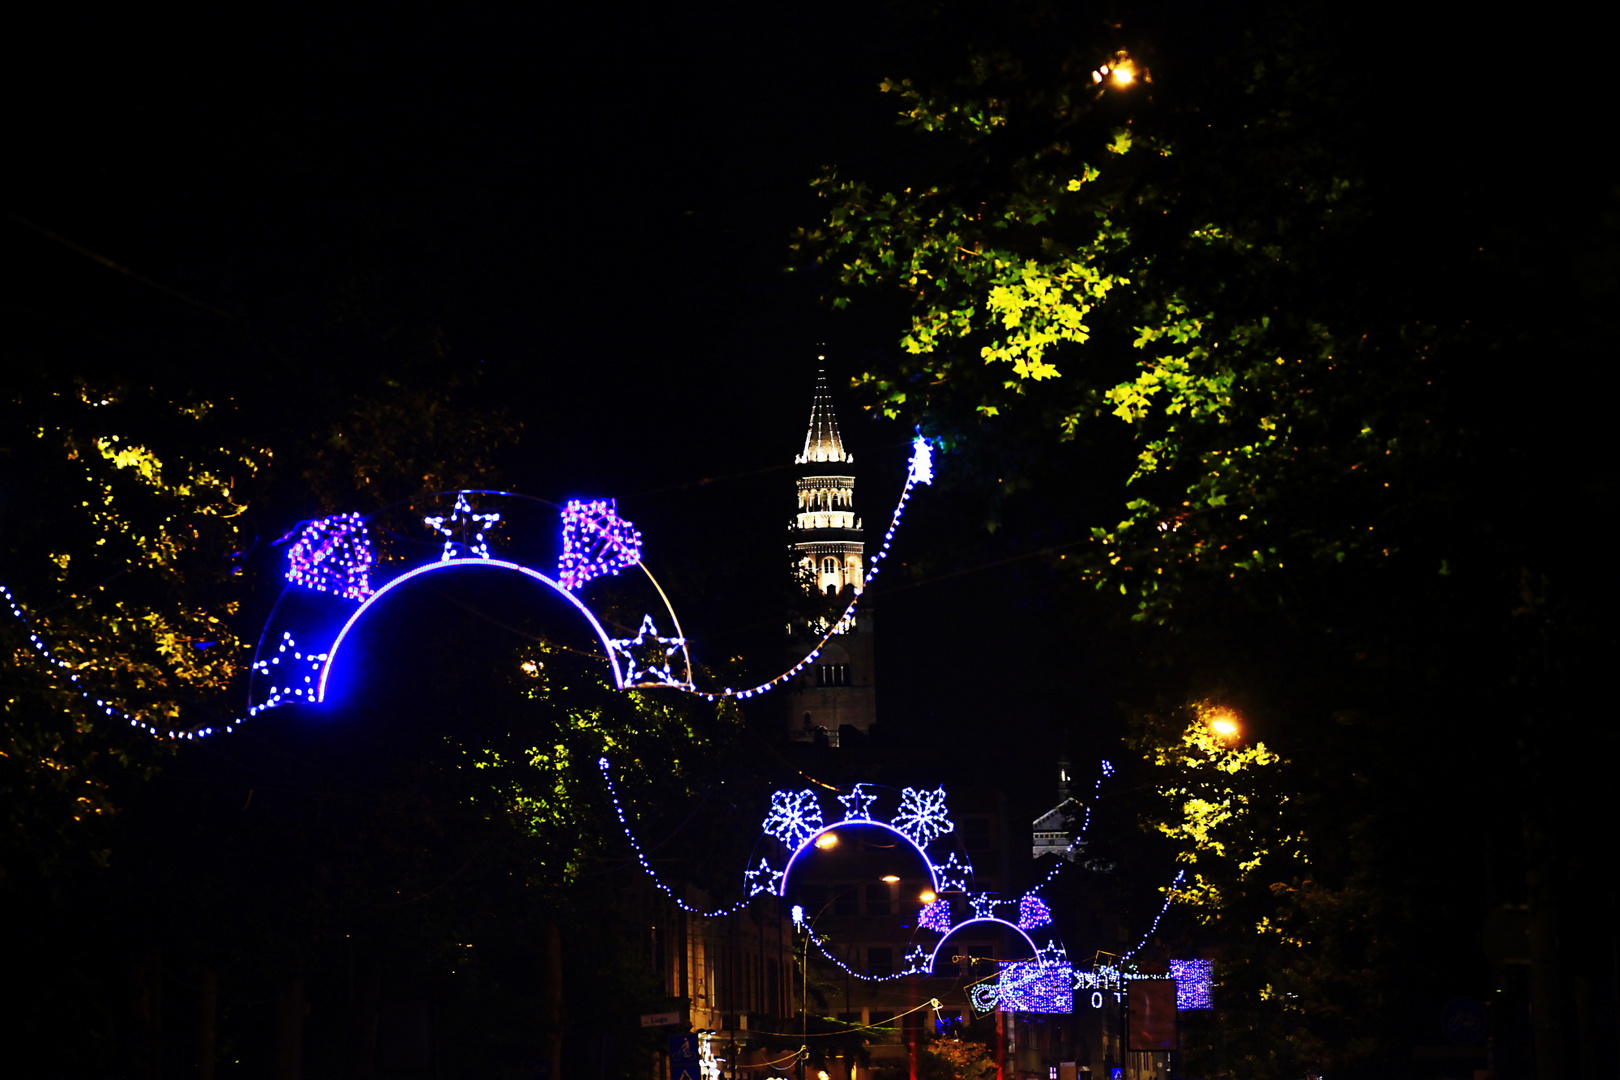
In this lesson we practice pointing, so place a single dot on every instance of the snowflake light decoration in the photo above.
(333, 555)
(647, 656)
(1033, 912)
(935, 916)
(794, 817)
(596, 542)
(857, 804)
(460, 521)
(922, 815)
(294, 687)
(763, 878)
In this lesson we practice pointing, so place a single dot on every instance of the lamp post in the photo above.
(808, 927)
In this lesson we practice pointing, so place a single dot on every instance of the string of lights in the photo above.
(646, 865)
(1169, 898)
(1079, 840)
(920, 470)
(108, 708)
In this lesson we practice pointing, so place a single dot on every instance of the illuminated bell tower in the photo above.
(839, 689)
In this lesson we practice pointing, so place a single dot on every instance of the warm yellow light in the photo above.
(1124, 73)
(1223, 723)
(928, 896)
(827, 841)
(891, 878)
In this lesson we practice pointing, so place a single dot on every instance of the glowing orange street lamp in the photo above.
(827, 841)
(1224, 724)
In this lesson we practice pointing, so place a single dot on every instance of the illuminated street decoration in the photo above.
(333, 555)
(953, 874)
(794, 817)
(1033, 912)
(921, 468)
(648, 657)
(295, 683)
(857, 804)
(1193, 981)
(922, 815)
(1030, 986)
(462, 520)
(984, 905)
(935, 916)
(764, 878)
(596, 542)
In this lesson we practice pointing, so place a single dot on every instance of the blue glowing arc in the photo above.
(1034, 950)
(809, 841)
(502, 564)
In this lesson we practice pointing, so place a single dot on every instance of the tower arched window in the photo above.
(829, 565)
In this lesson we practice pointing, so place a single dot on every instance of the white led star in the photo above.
(647, 656)
(763, 878)
(857, 804)
(298, 684)
(952, 874)
(922, 461)
(922, 815)
(1053, 953)
(984, 905)
(916, 961)
(460, 520)
(795, 817)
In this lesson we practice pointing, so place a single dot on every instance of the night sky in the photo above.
(589, 208)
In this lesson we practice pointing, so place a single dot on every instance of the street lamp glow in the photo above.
(827, 841)
(890, 878)
(928, 896)
(1224, 724)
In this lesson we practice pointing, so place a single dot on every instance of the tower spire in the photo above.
(822, 442)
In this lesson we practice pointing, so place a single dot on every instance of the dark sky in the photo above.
(591, 206)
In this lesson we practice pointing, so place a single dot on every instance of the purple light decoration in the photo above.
(1033, 912)
(1027, 986)
(333, 555)
(936, 916)
(463, 519)
(500, 564)
(596, 542)
(1194, 978)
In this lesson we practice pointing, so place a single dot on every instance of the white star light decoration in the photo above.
(460, 520)
(952, 873)
(923, 816)
(763, 878)
(647, 656)
(1053, 953)
(279, 694)
(984, 905)
(857, 804)
(921, 470)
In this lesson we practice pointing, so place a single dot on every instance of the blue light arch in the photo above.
(810, 841)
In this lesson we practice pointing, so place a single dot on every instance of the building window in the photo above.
(847, 903)
(829, 565)
(832, 675)
(878, 901)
